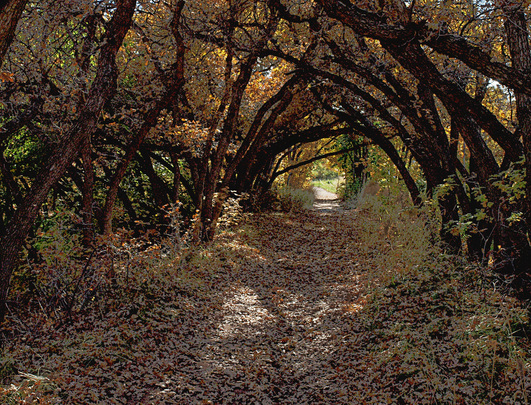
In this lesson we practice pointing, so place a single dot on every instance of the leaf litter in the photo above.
(315, 307)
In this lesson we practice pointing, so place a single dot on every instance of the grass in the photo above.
(294, 200)
(441, 329)
(433, 329)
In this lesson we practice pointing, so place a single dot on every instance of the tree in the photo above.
(173, 82)
(141, 107)
(10, 13)
(57, 163)
(406, 32)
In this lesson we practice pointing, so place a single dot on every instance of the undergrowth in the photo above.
(441, 330)
(293, 199)
(101, 328)
(109, 327)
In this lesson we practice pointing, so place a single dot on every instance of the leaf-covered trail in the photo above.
(276, 337)
(325, 201)
(320, 307)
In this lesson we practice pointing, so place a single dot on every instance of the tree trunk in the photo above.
(175, 81)
(518, 40)
(10, 13)
(102, 89)
(175, 194)
(87, 203)
(207, 223)
(376, 26)
(254, 139)
(158, 187)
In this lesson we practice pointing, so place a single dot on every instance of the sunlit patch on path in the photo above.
(325, 201)
(306, 308)
(243, 313)
(282, 318)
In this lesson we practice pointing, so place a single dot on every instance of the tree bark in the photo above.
(102, 89)
(159, 189)
(457, 101)
(87, 211)
(516, 29)
(378, 26)
(517, 39)
(404, 45)
(10, 13)
(227, 133)
(176, 188)
(255, 138)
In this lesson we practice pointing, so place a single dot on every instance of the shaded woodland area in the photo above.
(145, 103)
(152, 118)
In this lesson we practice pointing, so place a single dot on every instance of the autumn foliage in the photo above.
(339, 307)
(133, 131)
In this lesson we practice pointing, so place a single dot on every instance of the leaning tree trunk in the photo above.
(255, 138)
(10, 13)
(518, 41)
(174, 84)
(87, 203)
(207, 225)
(102, 89)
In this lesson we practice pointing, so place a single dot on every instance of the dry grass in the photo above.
(359, 306)
(441, 330)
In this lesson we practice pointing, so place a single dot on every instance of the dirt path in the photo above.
(277, 312)
(325, 201)
(278, 333)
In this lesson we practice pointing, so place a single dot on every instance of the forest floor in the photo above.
(327, 306)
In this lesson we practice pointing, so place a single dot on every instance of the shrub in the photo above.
(294, 200)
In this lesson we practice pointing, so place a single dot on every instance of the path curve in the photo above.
(325, 201)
